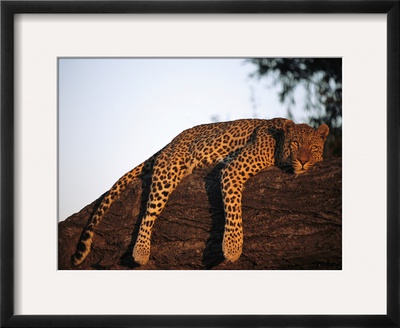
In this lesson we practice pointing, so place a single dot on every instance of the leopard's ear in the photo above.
(323, 131)
(288, 126)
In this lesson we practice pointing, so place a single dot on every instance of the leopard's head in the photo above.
(304, 144)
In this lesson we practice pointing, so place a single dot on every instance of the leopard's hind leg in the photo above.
(168, 172)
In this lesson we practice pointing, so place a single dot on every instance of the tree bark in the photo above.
(290, 223)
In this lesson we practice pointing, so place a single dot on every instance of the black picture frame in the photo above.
(10, 8)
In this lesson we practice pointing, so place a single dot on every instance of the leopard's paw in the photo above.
(231, 250)
(141, 254)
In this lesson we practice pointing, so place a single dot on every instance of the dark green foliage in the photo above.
(321, 78)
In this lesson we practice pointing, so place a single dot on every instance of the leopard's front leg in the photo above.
(248, 162)
(233, 233)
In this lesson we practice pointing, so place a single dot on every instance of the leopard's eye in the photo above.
(314, 148)
(295, 144)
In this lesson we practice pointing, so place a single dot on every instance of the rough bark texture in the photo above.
(290, 223)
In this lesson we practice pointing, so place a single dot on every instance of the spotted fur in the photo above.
(244, 147)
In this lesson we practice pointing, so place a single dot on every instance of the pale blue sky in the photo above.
(115, 113)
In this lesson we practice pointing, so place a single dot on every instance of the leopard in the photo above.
(243, 147)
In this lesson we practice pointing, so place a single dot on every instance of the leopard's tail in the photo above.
(85, 241)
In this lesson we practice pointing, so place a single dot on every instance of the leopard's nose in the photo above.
(303, 158)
